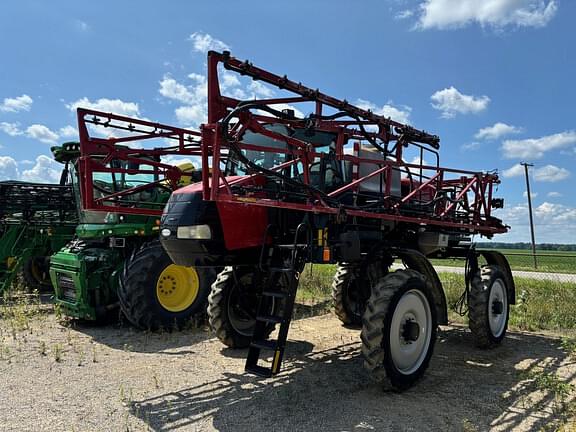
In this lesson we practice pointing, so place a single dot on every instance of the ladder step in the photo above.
(259, 370)
(292, 246)
(264, 344)
(270, 319)
(277, 294)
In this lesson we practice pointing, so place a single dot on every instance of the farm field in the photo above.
(547, 261)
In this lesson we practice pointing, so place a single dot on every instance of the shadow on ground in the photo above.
(122, 336)
(464, 389)
(119, 334)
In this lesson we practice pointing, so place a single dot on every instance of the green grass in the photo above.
(315, 283)
(540, 305)
(547, 261)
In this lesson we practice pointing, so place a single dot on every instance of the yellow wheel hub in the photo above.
(177, 287)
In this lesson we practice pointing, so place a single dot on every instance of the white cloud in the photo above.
(41, 133)
(12, 129)
(193, 97)
(401, 115)
(194, 115)
(116, 106)
(404, 14)
(68, 132)
(260, 90)
(283, 106)
(475, 145)
(8, 168)
(46, 170)
(548, 173)
(81, 25)
(551, 173)
(556, 213)
(534, 148)
(532, 194)
(203, 42)
(19, 103)
(514, 171)
(172, 89)
(496, 131)
(451, 102)
(554, 223)
(227, 79)
(554, 194)
(450, 14)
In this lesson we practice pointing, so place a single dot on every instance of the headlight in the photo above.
(196, 232)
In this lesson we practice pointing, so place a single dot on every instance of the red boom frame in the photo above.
(463, 199)
(97, 153)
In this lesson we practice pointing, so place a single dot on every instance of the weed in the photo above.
(5, 352)
(125, 397)
(57, 352)
(569, 345)
(42, 348)
(468, 426)
(552, 384)
(157, 382)
(81, 356)
(58, 311)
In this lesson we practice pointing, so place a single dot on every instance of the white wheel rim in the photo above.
(496, 320)
(408, 355)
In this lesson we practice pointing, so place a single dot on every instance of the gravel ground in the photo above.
(85, 378)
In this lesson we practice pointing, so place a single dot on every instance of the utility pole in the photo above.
(526, 165)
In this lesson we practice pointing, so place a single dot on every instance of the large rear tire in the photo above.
(232, 306)
(350, 293)
(154, 293)
(488, 307)
(399, 329)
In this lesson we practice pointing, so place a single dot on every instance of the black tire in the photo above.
(232, 306)
(488, 307)
(35, 272)
(137, 290)
(350, 293)
(378, 343)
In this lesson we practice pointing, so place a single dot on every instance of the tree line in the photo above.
(521, 245)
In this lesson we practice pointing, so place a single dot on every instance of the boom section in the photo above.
(294, 147)
(126, 163)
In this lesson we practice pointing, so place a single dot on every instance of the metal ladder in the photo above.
(284, 260)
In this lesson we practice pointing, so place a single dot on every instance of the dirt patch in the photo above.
(87, 378)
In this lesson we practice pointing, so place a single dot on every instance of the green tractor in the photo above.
(115, 260)
(36, 219)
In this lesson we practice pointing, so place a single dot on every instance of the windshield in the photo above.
(265, 159)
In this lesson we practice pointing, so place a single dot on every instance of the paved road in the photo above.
(558, 277)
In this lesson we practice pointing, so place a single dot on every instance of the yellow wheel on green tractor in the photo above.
(154, 293)
(177, 287)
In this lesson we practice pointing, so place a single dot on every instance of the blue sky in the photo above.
(493, 78)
